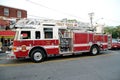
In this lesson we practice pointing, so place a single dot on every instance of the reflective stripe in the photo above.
(28, 47)
(48, 47)
(104, 43)
(90, 44)
(57, 46)
(79, 45)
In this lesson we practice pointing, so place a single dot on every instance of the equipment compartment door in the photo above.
(81, 42)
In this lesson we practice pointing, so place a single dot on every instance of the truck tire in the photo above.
(37, 55)
(94, 50)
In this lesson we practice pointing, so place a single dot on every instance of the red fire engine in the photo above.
(49, 39)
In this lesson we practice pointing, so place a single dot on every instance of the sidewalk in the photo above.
(3, 55)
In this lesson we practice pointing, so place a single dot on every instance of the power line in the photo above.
(58, 11)
(37, 16)
(40, 5)
(113, 20)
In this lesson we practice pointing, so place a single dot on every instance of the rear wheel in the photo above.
(37, 55)
(94, 50)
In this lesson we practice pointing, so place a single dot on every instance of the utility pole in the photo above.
(91, 19)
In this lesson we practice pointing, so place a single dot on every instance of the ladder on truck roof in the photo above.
(88, 29)
(36, 23)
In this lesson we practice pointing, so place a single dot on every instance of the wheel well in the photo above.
(94, 45)
(38, 47)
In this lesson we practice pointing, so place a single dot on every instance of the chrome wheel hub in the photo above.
(37, 56)
(94, 51)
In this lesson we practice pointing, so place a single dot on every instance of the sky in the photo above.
(105, 11)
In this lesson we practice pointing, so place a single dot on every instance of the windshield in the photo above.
(25, 35)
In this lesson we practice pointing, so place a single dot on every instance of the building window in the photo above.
(19, 14)
(6, 12)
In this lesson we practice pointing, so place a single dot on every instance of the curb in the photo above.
(3, 56)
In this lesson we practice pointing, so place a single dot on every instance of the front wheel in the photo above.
(94, 50)
(37, 55)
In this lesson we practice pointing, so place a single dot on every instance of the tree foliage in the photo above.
(115, 31)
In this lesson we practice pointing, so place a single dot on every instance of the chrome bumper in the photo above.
(10, 55)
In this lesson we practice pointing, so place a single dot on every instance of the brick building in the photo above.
(10, 12)
(9, 16)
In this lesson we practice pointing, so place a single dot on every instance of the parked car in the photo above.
(118, 40)
(115, 44)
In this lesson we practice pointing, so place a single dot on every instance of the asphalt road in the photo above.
(105, 66)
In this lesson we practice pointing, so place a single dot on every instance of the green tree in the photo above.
(115, 31)
(108, 30)
(118, 31)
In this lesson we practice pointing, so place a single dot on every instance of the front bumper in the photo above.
(10, 55)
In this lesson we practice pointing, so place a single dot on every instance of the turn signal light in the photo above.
(14, 49)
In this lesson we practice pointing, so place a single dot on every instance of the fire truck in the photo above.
(45, 39)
